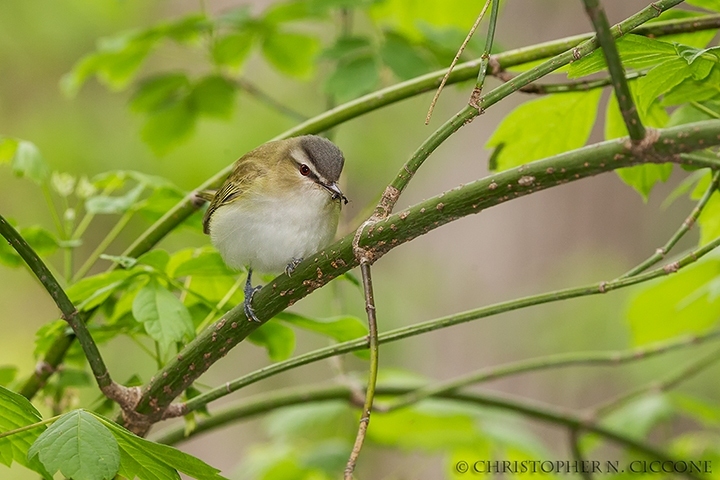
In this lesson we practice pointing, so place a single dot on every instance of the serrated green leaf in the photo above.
(90, 292)
(159, 91)
(277, 339)
(17, 412)
(152, 461)
(691, 90)
(28, 162)
(529, 132)
(353, 78)
(232, 50)
(107, 204)
(168, 127)
(712, 5)
(403, 58)
(8, 146)
(635, 51)
(213, 96)
(163, 315)
(341, 329)
(208, 263)
(675, 305)
(79, 446)
(660, 80)
(291, 53)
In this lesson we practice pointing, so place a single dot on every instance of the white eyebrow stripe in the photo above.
(299, 155)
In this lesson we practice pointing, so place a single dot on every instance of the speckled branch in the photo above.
(316, 271)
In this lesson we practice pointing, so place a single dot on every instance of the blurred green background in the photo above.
(579, 233)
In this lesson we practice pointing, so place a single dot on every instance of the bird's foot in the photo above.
(290, 268)
(247, 305)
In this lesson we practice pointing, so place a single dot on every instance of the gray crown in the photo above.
(325, 155)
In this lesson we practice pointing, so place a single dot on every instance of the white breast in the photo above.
(266, 233)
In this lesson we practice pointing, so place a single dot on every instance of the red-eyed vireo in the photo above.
(280, 203)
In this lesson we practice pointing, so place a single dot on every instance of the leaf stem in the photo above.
(102, 246)
(29, 427)
(485, 57)
(629, 112)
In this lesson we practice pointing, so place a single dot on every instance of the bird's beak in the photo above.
(336, 192)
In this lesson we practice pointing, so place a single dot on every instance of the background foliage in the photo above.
(111, 133)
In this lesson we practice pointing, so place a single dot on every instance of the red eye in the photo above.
(305, 170)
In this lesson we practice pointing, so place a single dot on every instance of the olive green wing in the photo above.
(244, 174)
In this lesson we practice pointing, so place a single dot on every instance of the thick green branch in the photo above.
(269, 402)
(622, 91)
(401, 227)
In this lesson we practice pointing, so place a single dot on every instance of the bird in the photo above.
(280, 203)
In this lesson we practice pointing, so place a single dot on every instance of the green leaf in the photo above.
(635, 51)
(693, 90)
(529, 132)
(660, 80)
(403, 58)
(121, 260)
(636, 419)
(28, 162)
(107, 204)
(208, 263)
(405, 15)
(712, 5)
(8, 147)
(340, 329)
(232, 50)
(433, 428)
(63, 183)
(291, 53)
(311, 422)
(278, 340)
(213, 96)
(345, 48)
(705, 412)
(709, 220)
(7, 374)
(682, 303)
(163, 315)
(16, 412)
(91, 292)
(159, 91)
(148, 460)
(168, 127)
(157, 259)
(43, 241)
(79, 446)
(353, 78)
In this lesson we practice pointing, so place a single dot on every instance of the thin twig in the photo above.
(455, 60)
(565, 87)
(485, 58)
(622, 91)
(670, 382)
(102, 246)
(372, 375)
(548, 362)
(684, 228)
(707, 111)
(253, 90)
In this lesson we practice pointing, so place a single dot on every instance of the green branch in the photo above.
(268, 402)
(551, 361)
(69, 313)
(319, 269)
(345, 112)
(622, 91)
(684, 228)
